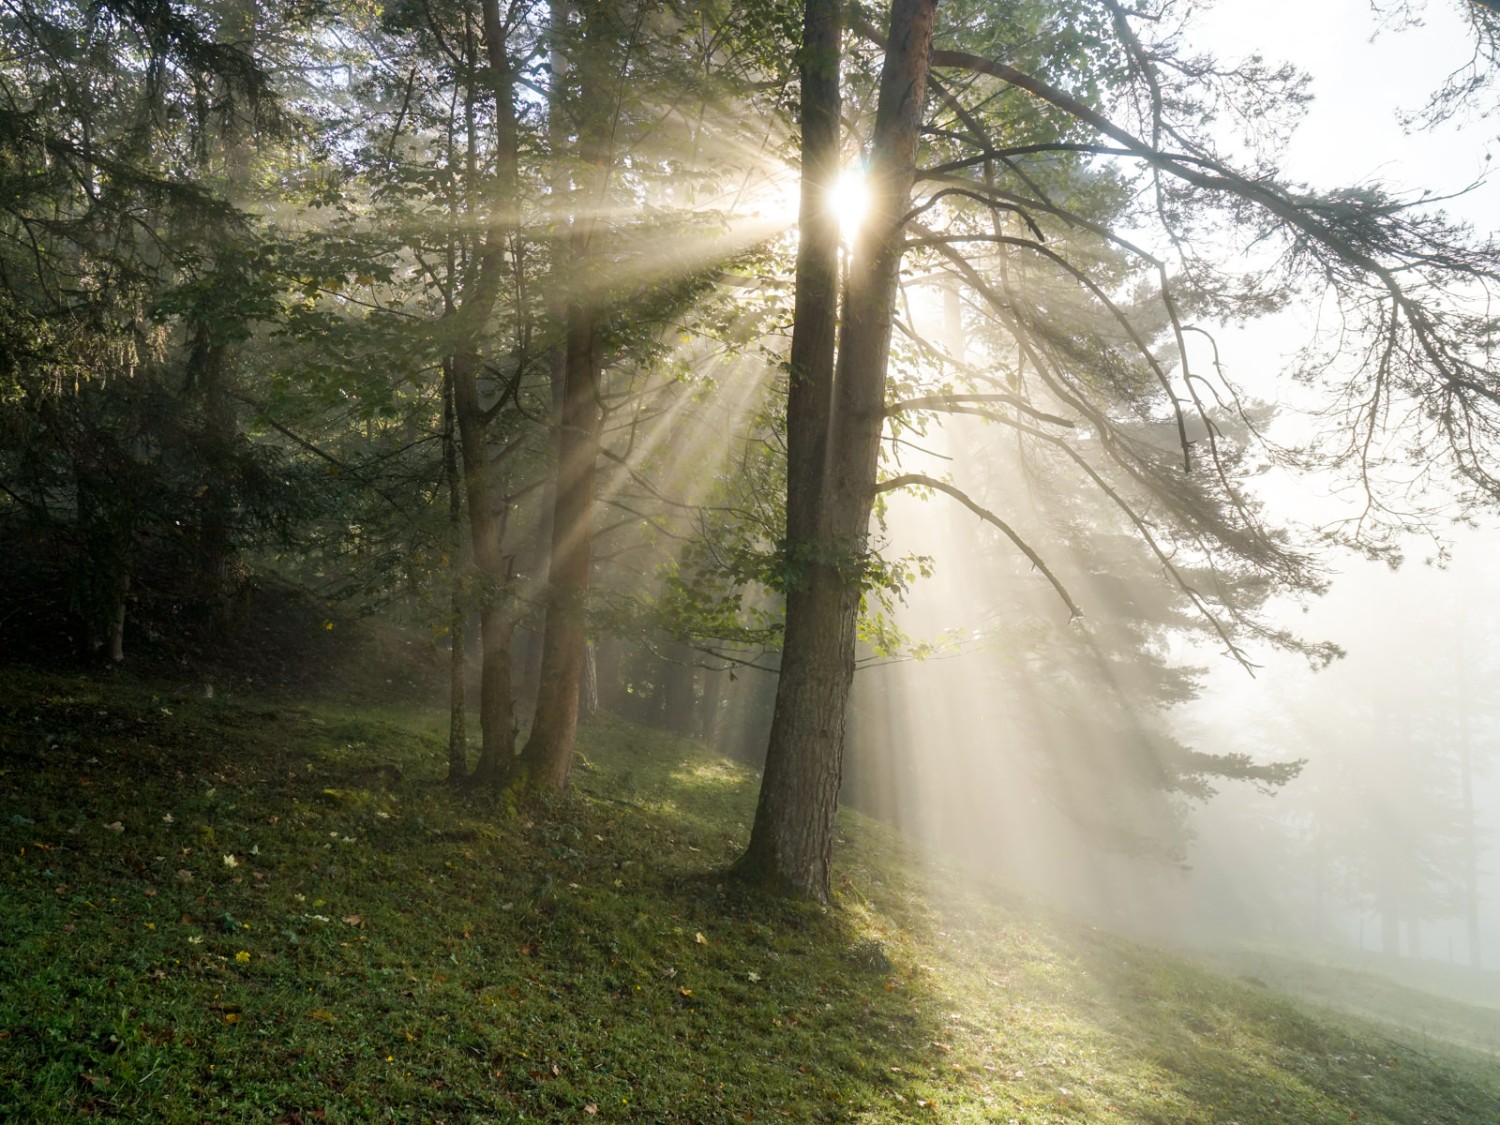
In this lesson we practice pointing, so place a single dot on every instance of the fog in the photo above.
(1023, 742)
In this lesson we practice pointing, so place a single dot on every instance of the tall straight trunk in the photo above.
(805, 745)
(833, 449)
(1390, 931)
(707, 713)
(497, 723)
(1470, 844)
(213, 381)
(484, 493)
(546, 762)
(541, 546)
(213, 364)
(458, 671)
(679, 689)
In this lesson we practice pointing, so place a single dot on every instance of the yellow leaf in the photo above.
(231, 1017)
(700, 939)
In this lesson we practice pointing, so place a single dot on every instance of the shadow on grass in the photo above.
(195, 928)
(213, 910)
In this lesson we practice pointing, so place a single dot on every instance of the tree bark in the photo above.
(497, 723)
(833, 434)
(483, 493)
(458, 670)
(802, 758)
(546, 762)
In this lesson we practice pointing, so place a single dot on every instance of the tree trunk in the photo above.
(1470, 846)
(706, 717)
(212, 373)
(833, 436)
(117, 619)
(588, 686)
(483, 491)
(547, 760)
(497, 723)
(678, 689)
(458, 669)
(799, 787)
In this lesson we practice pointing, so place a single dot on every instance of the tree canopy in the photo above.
(538, 320)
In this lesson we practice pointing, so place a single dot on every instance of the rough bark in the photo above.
(547, 760)
(497, 723)
(483, 490)
(806, 740)
(458, 671)
(833, 450)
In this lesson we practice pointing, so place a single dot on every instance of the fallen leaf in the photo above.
(231, 1017)
(688, 992)
(322, 1015)
(230, 861)
(591, 1108)
(354, 919)
(115, 827)
(700, 939)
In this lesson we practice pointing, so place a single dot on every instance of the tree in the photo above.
(1014, 146)
(124, 264)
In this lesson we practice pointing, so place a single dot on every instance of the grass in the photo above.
(216, 909)
(1431, 1001)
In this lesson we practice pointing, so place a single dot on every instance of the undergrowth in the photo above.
(218, 909)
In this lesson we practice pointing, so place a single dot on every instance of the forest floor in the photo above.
(227, 909)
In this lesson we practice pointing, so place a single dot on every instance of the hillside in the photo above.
(219, 909)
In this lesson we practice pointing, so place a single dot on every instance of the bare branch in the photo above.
(919, 480)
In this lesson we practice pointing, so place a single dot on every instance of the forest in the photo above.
(668, 512)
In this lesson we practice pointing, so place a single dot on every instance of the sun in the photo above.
(850, 201)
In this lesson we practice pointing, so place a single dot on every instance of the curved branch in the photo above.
(945, 402)
(930, 239)
(919, 480)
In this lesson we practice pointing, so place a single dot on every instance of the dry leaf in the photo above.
(354, 919)
(591, 1108)
(700, 939)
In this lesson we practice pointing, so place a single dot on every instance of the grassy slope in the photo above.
(214, 910)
